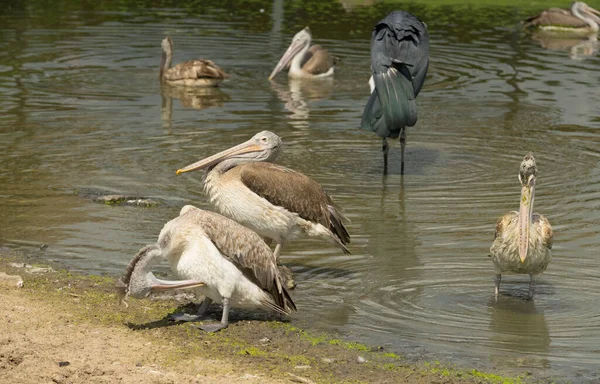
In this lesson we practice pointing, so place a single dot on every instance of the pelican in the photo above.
(523, 240)
(196, 73)
(276, 202)
(580, 18)
(225, 261)
(399, 62)
(306, 61)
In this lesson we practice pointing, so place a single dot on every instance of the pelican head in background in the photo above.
(305, 61)
(276, 202)
(193, 73)
(580, 18)
(225, 261)
(523, 240)
(399, 62)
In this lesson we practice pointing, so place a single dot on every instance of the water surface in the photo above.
(82, 113)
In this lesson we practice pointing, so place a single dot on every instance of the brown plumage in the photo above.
(538, 221)
(276, 202)
(246, 250)
(555, 16)
(316, 60)
(579, 18)
(225, 261)
(295, 192)
(522, 240)
(200, 72)
(305, 61)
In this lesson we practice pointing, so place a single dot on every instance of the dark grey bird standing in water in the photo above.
(399, 62)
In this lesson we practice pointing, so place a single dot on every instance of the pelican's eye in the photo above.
(264, 139)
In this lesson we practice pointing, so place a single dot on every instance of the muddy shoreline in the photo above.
(64, 327)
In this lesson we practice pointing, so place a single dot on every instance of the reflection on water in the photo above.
(299, 94)
(189, 97)
(577, 47)
(82, 110)
(517, 325)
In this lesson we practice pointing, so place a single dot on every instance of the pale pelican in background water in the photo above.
(225, 261)
(305, 61)
(193, 73)
(276, 202)
(523, 240)
(580, 18)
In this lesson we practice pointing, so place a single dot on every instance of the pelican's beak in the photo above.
(525, 212)
(246, 147)
(294, 48)
(163, 285)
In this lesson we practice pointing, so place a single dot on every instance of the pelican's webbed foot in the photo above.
(224, 319)
(212, 327)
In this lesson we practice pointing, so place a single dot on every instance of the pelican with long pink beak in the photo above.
(523, 240)
(304, 60)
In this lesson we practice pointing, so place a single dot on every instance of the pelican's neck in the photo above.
(296, 64)
(214, 173)
(591, 22)
(141, 267)
(165, 61)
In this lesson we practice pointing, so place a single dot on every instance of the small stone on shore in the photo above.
(11, 280)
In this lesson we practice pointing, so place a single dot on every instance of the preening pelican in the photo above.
(399, 62)
(194, 73)
(276, 202)
(580, 18)
(306, 61)
(227, 262)
(523, 240)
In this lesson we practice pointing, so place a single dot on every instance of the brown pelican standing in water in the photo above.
(305, 61)
(580, 18)
(276, 202)
(399, 62)
(225, 261)
(523, 240)
(193, 73)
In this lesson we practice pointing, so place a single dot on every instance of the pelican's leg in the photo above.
(497, 285)
(402, 146)
(224, 319)
(531, 287)
(198, 316)
(385, 148)
(277, 251)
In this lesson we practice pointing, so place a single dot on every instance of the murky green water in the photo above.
(81, 113)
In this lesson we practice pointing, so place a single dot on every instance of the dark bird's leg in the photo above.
(402, 146)
(198, 316)
(531, 287)
(497, 285)
(385, 149)
(224, 319)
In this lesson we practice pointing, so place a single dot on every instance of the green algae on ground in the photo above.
(449, 371)
(274, 347)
